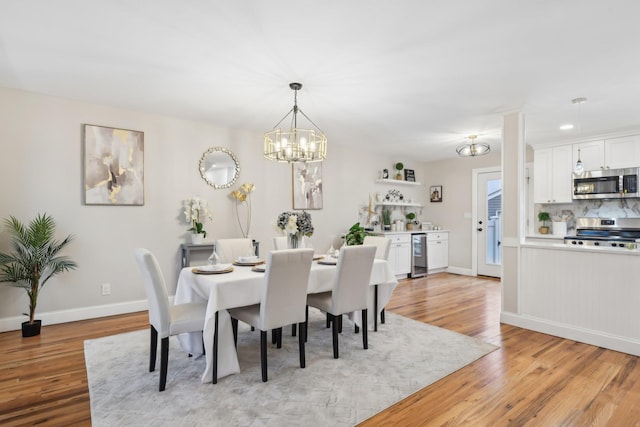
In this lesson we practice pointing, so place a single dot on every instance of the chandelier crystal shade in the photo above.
(295, 145)
(473, 148)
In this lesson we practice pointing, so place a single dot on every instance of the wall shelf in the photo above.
(398, 182)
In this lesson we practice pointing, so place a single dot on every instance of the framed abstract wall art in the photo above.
(307, 185)
(113, 166)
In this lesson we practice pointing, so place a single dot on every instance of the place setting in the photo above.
(213, 269)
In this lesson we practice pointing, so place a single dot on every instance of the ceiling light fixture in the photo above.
(473, 148)
(579, 167)
(295, 145)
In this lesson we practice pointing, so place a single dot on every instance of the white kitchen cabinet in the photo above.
(591, 155)
(400, 253)
(614, 153)
(437, 251)
(623, 152)
(552, 179)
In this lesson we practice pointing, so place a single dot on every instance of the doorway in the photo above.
(488, 222)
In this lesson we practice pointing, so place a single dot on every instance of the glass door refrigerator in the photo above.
(419, 255)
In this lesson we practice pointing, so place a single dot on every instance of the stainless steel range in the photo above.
(605, 232)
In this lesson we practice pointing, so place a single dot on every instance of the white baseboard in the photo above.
(460, 270)
(75, 314)
(600, 339)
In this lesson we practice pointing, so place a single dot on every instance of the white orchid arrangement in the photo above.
(243, 196)
(193, 208)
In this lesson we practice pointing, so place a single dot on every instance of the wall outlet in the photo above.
(106, 289)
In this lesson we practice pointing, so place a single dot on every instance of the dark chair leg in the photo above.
(365, 338)
(375, 307)
(301, 340)
(293, 330)
(263, 354)
(274, 337)
(382, 316)
(214, 366)
(356, 328)
(153, 349)
(339, 319)
(234, 327)
(335, 336)
(306, 322)
(279, 337)
(328, 320)
(164, 361)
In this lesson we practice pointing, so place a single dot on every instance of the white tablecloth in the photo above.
(244, 287)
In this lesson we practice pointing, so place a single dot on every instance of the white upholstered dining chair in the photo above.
(283, 300)
(229, 250)
(383, 246)
(349, 291)
(165, 319)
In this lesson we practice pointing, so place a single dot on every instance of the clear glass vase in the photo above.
(293, 240)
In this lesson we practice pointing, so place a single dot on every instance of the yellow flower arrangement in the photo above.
(243, 196)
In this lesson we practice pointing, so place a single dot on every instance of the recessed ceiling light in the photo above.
(566, 127)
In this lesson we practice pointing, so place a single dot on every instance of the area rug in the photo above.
(403, 357)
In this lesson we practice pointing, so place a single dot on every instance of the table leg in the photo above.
(375, 307)
(215, 350)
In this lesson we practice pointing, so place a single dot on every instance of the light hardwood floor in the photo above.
(533, 379)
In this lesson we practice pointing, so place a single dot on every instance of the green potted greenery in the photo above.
(410, 217)
(356, 235)
(34, 260)
(399, 166)
(386, 218)
(543, 217)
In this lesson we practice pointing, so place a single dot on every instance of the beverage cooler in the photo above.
(419, 255)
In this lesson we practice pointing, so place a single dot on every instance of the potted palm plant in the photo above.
(34, 260)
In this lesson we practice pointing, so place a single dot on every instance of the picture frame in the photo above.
(306, 180)
(435, 193)
(113, 166)
(409, 175)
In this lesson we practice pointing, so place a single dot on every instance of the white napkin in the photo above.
(247, 258)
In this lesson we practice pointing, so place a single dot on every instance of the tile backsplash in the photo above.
(620, 208)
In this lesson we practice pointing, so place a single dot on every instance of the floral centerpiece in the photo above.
(295, 225)
(194, 207)
(243, 196)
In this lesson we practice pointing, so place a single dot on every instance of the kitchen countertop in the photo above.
(409, 232)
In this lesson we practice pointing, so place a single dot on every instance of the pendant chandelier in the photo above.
(295, 145)
(473, 148)
(579, 167)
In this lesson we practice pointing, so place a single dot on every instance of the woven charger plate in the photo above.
(198, 271)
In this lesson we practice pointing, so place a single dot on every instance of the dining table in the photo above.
(243, 286)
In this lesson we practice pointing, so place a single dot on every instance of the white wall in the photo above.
(41, 171)
(455, 176)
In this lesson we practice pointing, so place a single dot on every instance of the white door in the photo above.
(489, 224)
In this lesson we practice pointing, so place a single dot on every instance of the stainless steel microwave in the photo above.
(606, 184)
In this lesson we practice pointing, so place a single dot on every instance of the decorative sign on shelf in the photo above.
(409, 175)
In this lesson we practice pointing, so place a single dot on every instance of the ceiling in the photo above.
(408, 77)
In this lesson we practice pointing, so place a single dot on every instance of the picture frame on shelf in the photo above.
(435, 193)
(307, 185)
(113, 166)
(409, 175)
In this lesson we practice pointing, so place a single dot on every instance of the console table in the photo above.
(187, 248)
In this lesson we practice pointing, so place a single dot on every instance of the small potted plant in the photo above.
(410, 217)
(399, 166)
(543, 217)
(356, 235)
(35, 259)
